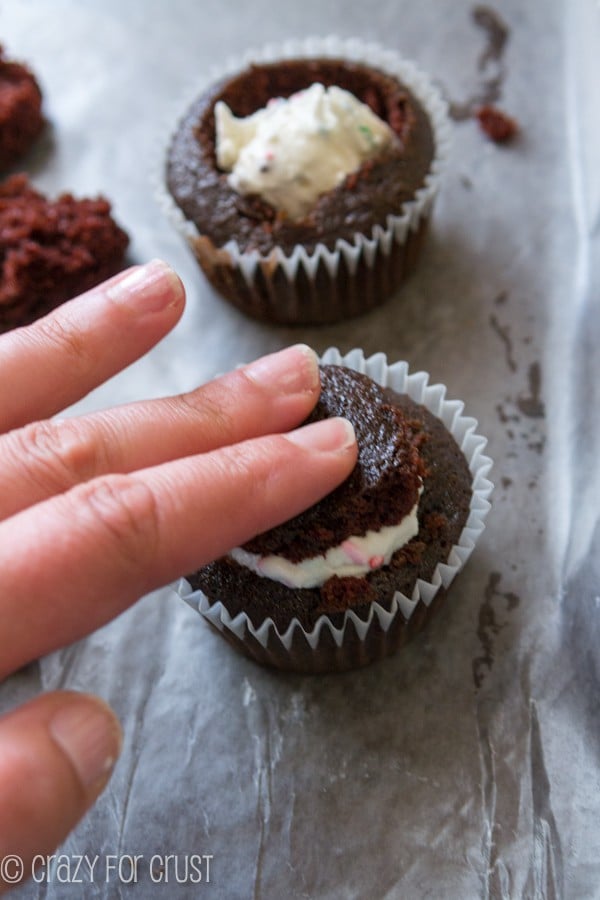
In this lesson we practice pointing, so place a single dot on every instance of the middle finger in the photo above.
(272, 394)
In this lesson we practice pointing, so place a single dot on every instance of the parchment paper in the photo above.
(468, 766)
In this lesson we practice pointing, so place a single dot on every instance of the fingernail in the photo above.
(288, 371)
(328, 435)
(148, 288)
(88, 732)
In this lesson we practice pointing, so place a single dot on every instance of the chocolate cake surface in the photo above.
(420, 446)
(52, 250)
(21, 118)
(363, 200)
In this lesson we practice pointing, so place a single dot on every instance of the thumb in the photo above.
(56, 755)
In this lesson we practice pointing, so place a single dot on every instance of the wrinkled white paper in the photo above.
(468, 765)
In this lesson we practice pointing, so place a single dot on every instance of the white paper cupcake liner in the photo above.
(280, 648)
(246, 277)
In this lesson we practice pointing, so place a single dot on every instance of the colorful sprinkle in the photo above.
(367, 133)
(354, 553)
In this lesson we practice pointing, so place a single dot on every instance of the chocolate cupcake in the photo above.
(304, 180)
(349, 580)
(21, 118)
(52, 250)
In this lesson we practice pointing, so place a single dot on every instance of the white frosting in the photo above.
(293, 150)
(356, 556)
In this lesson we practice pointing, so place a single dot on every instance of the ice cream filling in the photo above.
(356, 556)
(295, 149)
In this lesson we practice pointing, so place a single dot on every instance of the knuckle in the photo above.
(57, 456)
(253, 466)
(65, 339)
(246, 389)
(125, 513)
(209, 409)
(226, 408)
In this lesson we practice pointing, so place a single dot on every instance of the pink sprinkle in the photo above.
(376, 562)
(354, 554)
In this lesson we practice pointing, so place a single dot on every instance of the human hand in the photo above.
(98, 510)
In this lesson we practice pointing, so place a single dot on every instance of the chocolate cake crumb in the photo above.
(436, 523)
(498, 126)
(52, 250)
(340, 594)
(21, 118)
(411, 553)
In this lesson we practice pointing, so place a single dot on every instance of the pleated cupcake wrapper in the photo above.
(364, 248)
(463, 429)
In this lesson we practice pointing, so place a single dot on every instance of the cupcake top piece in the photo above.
(292, 150)
(357, 203)
(381, 492)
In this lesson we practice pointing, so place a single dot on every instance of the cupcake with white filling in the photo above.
(305, 180)
(295, 149)
(351, 578)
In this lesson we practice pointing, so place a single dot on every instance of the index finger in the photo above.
(63, 356)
